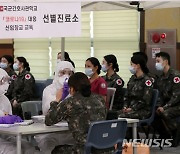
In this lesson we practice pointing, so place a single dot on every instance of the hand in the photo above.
(59, 95)
(160, 109)
(126, 109)
(14, 103)
(6, 113)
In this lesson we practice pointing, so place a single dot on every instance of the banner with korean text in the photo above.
(39, 20)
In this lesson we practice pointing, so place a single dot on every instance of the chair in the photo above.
(31, 108)
(148, 121)
(39, 87)
(48, 82)
(105, 134)
(110, 96)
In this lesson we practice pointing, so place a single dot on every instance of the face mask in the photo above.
(104, 68)
(132, 70)
(89, 72)
(63, 79)
(15, 66)
(159, 66)
(3, 65)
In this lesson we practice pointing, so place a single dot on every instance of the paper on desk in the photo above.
(62, 124)
(6, 125)
(25, 123)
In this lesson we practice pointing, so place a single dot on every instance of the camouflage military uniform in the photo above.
(79, 112)
(169, 88)
(116, 81)
(154, 79)
(22, 90)
(138, 97)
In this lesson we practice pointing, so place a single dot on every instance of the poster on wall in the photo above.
(155, 51)
(39, 20)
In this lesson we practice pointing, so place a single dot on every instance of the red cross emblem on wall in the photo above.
(148, 83)
(176, 79)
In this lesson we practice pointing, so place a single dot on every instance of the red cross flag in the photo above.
(27, 76)
(176, 79)
(148, 83)
(119, 82)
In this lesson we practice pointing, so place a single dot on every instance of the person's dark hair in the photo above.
(139, 59)
(10, 60)
(141, 54)
(95, 63)
(80, 82)
(67, 58)
(25, 63)
(165, 56)
(112, 59)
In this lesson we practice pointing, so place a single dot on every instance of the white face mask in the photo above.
(159, 66)
(132, 70)
(15, 66)
(104, 68)
(89, 72)
(3, 65)
(63, 79)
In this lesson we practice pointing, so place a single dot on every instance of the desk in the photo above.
(33, 129)
(132, 123)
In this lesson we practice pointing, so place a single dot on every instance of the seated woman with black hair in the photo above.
(23, 86)
(137, 100)
(79, 110)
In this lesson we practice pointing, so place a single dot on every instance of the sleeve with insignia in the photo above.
(119, 82)
(176, 79)
(27, 76)
(148, 83)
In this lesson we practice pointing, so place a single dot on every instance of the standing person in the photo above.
(98, 84)
(66, 58)
(23, 86)
(6, 63)
(139, 91)
(110, 67)
(79, 111)
(169, 87)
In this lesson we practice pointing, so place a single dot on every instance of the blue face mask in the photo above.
(15, 66)
(104, 68)
(132, 70)
(89, 72)
(3, 65)
(159, 66)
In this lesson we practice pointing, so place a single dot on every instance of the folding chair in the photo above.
(39, 87)
(148, 121)
(105, 134)
(31, 108)
(110, 96)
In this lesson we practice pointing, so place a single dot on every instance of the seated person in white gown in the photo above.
(8, 143)
(47, 142)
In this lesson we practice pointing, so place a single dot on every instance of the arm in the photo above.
(28, 89)
(175, 97)
(56, 113)
(146, 99)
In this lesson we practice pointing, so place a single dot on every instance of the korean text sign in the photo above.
(38, 20)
